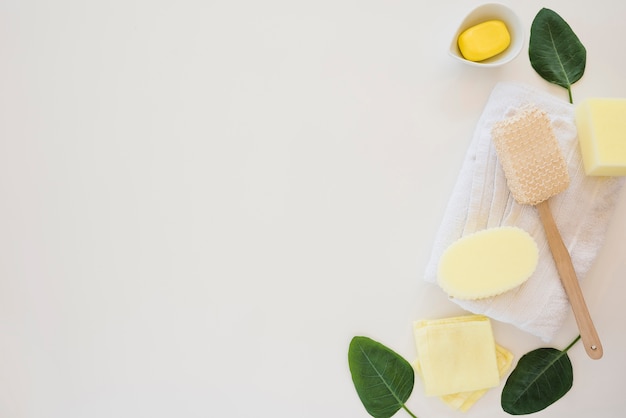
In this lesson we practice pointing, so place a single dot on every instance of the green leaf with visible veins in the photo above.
(555, 51)
(382, 378)
(540, 378)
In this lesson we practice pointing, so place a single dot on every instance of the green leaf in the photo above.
(382, 378)
(540, 378)
(555, 51)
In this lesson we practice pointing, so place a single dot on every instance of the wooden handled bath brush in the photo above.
(535, 171)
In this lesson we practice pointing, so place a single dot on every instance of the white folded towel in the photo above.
(481, 199)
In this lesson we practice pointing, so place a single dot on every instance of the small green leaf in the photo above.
(555, 51)
(382, 378)
(540, 378)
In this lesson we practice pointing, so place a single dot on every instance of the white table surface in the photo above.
(204, 201)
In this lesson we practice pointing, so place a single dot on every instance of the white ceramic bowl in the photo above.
(488, 12)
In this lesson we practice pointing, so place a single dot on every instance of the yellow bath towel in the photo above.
(458, 357)
(463, 401)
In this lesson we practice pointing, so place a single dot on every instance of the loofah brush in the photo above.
(535, 170)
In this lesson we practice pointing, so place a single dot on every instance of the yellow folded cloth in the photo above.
(463, 401)
(456, 354)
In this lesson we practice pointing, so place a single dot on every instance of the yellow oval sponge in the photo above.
(487, 263)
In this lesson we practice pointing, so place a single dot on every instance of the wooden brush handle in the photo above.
(563, 261)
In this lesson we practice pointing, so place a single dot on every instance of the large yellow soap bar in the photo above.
(484, 40)
(602, 136)
(487, 263)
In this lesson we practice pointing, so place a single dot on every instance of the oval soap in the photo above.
(484, 40)
(487, 263)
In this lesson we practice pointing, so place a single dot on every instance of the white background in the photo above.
(202, 202)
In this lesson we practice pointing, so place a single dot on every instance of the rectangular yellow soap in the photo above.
(456, 354)
(601, 124)
(484, 40)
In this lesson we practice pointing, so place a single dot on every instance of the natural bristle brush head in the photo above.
(531, 158)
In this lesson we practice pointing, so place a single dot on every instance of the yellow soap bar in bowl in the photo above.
(489, 36)
(485, 40)
(601, 124)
